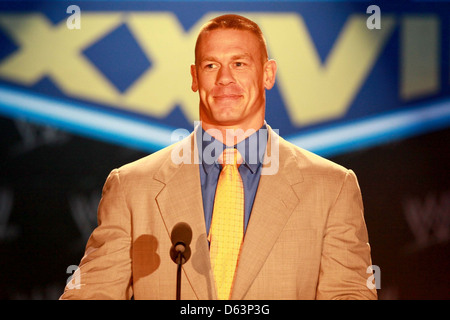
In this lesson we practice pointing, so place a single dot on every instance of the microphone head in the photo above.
(181, 238)
(181, 232)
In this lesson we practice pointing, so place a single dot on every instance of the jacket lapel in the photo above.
(274, 202)
(180, 200)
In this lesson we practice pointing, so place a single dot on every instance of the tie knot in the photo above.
(230, 156)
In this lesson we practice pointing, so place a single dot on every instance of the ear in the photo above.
(270, 70)
(194, 85)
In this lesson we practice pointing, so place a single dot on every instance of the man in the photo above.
(303, 234)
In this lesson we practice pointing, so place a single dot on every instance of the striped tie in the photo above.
(227, 225)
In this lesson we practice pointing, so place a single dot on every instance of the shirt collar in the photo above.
(252, 149)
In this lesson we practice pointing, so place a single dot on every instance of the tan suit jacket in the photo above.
(306, 237)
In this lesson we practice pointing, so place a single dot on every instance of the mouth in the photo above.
(223, 97)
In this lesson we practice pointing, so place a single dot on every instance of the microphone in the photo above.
(180, 252)
(181, 237)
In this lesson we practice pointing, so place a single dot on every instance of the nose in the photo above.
(224, 76)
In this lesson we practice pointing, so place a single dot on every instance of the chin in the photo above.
(226, 115)
(226, 121)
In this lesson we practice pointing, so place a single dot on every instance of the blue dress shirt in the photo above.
(252, 150)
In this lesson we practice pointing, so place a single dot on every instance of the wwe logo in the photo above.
(429, 220)
(34, 136)
(84, 211)
(6, 204)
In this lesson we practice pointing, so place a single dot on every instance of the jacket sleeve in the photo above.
(346, 251)
(105, 269)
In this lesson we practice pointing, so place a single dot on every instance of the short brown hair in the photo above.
(236, 22)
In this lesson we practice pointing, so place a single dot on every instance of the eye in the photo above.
(239, 64)
(210, 66)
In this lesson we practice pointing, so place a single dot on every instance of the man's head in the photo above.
(233, 22)
(231, 73)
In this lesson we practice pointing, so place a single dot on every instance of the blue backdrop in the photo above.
(86, 86)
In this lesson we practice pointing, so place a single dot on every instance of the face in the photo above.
(231, 76)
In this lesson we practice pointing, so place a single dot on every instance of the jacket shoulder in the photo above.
(148, 164)
(309, 162)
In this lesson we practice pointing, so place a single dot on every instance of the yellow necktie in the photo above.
(227, 225)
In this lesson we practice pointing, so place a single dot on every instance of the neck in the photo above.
(231, 135)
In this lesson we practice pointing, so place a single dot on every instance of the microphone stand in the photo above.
(180, 252)
(179, 264)
(179, 258)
